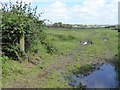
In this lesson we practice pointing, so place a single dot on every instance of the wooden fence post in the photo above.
(22, 42)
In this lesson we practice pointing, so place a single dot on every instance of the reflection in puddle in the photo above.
(105, 77)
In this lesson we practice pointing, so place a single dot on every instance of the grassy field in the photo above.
(48, 69)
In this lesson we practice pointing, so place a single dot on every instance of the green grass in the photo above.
(118, 61)
(64, 41)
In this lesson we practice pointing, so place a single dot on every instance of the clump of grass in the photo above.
(65, 37)
(83, 69)
(87, 67)
(77, 66)
(50, 48)
(80, 85)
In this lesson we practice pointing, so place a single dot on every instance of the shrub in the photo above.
(21, 28)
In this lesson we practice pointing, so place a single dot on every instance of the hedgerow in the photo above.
(21, 29)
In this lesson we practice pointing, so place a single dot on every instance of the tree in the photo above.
(59, 24)
(21, 28)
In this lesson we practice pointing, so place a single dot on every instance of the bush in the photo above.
(50, 48)
(21, 24)
(5, 69)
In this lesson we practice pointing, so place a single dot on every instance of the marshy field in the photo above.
(44, 52)
(81, 58)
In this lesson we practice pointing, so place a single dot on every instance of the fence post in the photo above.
(22, 42)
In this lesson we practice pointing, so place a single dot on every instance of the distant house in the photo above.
(74, 26)
(102, 26)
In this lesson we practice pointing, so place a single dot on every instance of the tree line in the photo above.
(81, 26)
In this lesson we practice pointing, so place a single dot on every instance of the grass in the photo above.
(65, 41)
(118, 61)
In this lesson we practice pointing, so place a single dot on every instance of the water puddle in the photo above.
(104, 77)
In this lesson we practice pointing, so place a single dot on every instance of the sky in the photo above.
(77, 11)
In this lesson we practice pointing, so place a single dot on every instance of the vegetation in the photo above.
(21, 28)
(60, 25)
(71, 58)
(22, 31)
(48, 53)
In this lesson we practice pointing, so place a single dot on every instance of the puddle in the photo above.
(104, 77)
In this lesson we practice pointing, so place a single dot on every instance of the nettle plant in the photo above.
(21, 28)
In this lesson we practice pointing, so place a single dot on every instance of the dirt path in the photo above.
(38, 78)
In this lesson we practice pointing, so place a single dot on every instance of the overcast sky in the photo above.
(77, 11)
